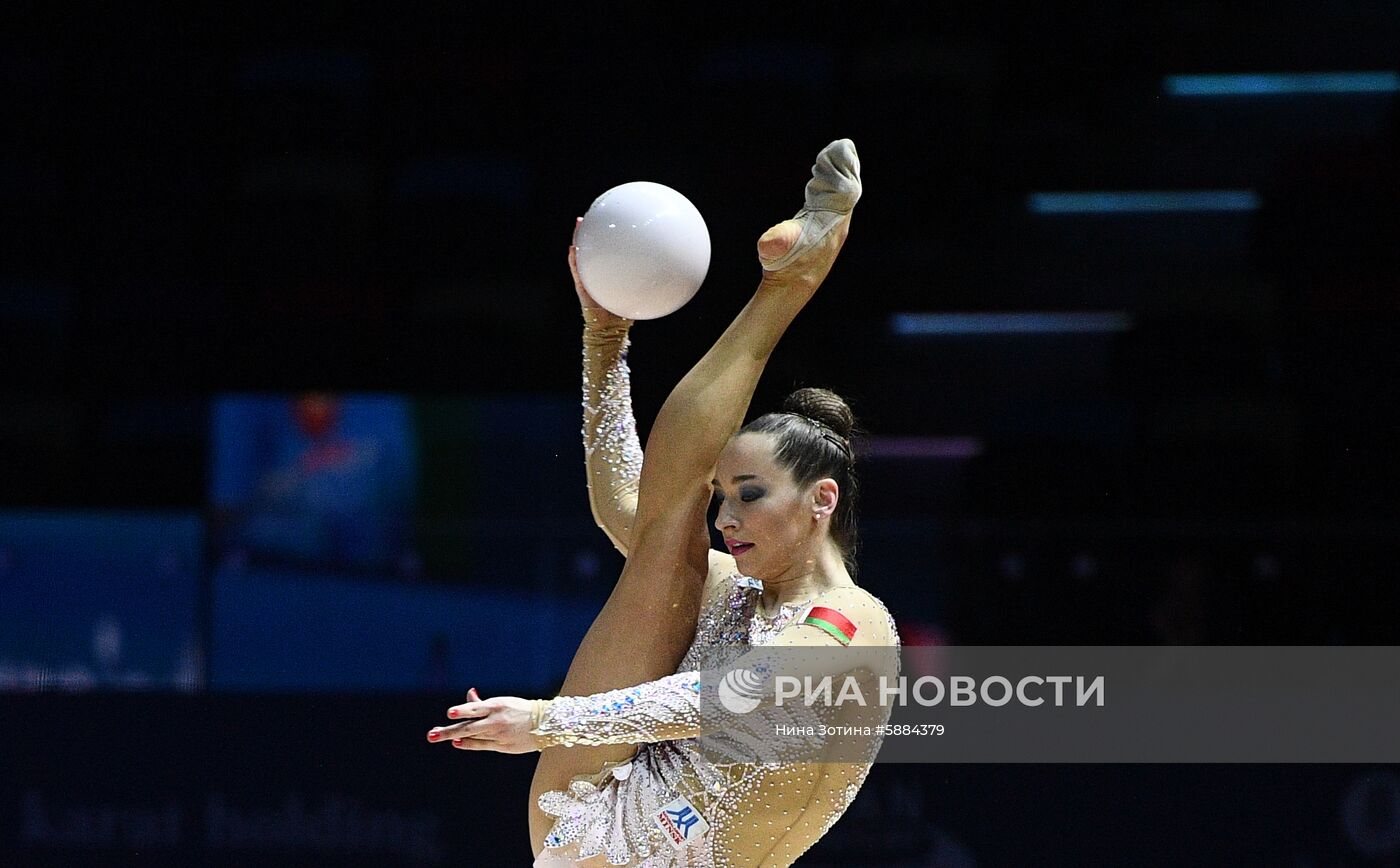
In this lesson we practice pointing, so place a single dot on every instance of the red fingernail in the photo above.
(452, 712)
(432, 736)
(456, 742)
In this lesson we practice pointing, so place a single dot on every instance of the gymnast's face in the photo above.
(766, 518)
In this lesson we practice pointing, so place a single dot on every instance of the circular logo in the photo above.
(740, 691)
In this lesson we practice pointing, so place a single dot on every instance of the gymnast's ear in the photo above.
(825, 494)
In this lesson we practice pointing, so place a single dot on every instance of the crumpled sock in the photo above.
(830, 196)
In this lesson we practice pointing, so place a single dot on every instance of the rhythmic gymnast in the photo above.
(624, 776)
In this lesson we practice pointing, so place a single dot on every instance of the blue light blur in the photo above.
(1140, 202)
(1281, 84)
(940, 324)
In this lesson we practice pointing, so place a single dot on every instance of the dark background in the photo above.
(281, 198)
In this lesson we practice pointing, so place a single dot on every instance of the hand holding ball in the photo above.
(643, 250)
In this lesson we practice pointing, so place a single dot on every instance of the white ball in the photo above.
(643, 250)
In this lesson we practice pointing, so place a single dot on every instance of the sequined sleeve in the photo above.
(612, 451)
(661, 710)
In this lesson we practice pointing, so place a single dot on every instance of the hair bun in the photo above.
(823, 406)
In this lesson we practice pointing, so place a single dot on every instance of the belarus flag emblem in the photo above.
(833, 622)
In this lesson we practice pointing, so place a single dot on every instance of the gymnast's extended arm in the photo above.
(612, 452)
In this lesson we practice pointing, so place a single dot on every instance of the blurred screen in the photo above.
(101, 600)
(393, 543)
(313, 480)
(284, 631)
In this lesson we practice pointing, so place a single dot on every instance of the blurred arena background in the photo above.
(288, 427)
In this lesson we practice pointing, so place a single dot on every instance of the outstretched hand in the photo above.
(501, 723)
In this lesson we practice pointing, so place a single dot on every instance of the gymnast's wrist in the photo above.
(538, 709)
(603, 322)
